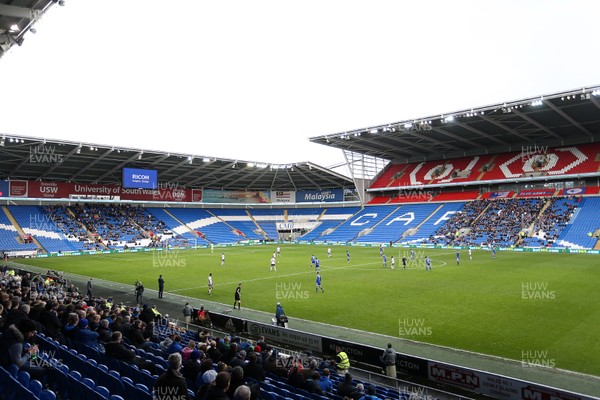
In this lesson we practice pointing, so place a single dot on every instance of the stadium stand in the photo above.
(362, 222)
(428, 228)
(212, 227)
(91, 351)
(9, 236)
(394, 226)
(582, 229)
(267, 221)
(240, 220)
(35, 222)
(329, 221)
(580, 159)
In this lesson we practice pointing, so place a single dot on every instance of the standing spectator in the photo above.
(89, 288)
(388, 358)
(187, 313)
(342, 362)
(238, 297)
(171, 384)
(161, 286)
(139, 293)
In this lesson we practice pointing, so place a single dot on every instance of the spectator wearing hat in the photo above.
(171, 384)
(208, 381)
(83, 334)
(193, 366)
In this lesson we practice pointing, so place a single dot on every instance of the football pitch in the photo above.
(536, 308)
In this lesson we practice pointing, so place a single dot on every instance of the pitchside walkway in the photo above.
(172, 304)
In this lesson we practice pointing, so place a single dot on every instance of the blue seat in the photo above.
(13, 370)
(47, 395)
(114, 397)
(36, 387)
(23, 378)
(75, 374)
(103, 391)
(267, 395)
(89, 383)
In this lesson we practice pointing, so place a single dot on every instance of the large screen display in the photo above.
(134, 178)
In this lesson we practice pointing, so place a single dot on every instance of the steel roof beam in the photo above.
(537, 124)
(568, 118)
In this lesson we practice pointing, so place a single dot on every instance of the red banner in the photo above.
(65, 190)
(17, 189)
(536, 193)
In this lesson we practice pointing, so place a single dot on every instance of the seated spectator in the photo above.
(13, 348)
(171, 384)
(253, 369)
(207, 382)
(242, 392)
(85, 336)
(237, 380)
(326, 383)
(312, 385)
(359, 392)
(193, 366)
(185, 352)
(370, 395)
(345, 388)
(219, 390)
(175, 347)
(117, 349)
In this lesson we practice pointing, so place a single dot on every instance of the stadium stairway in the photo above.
(259, 229)
(87, 230)
(192, 232)
(531, 227)
(20, 229)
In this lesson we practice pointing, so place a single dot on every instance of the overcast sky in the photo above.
(253, 80)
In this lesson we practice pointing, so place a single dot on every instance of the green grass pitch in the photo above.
(517, 304)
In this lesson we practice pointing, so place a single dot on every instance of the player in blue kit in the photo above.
(457, 258)
(317, 265)
(318, 284)
(313, 260)
(384, 261)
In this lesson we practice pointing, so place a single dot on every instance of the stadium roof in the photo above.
(565, 118)
(42, 159)
(18, 17)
